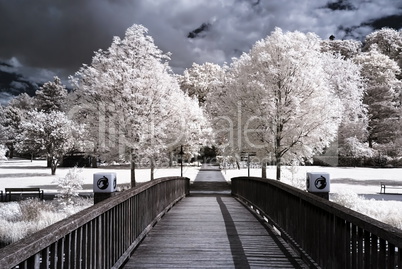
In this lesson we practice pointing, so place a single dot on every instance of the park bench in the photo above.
(22, 192)
(390, 185)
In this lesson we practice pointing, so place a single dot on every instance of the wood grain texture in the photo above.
(212, 232)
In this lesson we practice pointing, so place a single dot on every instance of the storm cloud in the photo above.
(43, 38)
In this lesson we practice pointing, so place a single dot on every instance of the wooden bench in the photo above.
(22, 191)
(390, 185)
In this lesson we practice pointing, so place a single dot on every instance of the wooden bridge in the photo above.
(210, 229)
(168, 224)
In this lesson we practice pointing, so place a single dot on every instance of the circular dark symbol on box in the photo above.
(320, 183)
(103, 183)
(114, 183)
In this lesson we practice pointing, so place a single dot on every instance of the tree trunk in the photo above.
(264, 169)
(94, 162)
(49, 162)
(370, 142)
(10, 147)
(53, 166)
(152, 168)
(94, 157)
(132, 171)
(171, 159)
(278, 167)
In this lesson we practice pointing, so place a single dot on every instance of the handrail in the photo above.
(102, 236)
(331, 235)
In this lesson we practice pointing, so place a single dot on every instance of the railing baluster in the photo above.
(53, 255)
(78, 247)
(333, 236)
(60, 253)
(367, 254)
(382, 253)
(102, 235)
(45, 259)
(374, 251)
(391, 256)
(67, 249)
(348, 245)
(85, 246)
(354, 246)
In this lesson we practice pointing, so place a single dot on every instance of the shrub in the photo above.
(3, 151)
(292, 175)
(380, 210)
(19, 220)
(69, 186)
(31, 209)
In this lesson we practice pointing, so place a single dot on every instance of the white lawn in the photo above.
(362, 181)
(357, 188)
(16, 173)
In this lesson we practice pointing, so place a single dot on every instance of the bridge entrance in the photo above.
(211, 229)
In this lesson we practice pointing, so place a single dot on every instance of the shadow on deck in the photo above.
(211, 229)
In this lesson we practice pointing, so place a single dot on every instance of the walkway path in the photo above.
(212, 230)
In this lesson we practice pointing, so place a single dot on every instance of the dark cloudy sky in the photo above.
(43, 38)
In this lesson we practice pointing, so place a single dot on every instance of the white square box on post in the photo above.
(318, 182)
(105, 182)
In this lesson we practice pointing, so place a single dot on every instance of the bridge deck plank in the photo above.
(212, 232)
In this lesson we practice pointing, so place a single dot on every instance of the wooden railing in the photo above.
(326, 234)
(102, 236)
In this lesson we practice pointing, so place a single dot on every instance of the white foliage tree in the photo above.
(69, 186)
(347, 82)
(129, 97)
(3, 151)
(381, 96)
(50, 132)
(23, 102)
(195, 131)
(10, 119)
(387, 41)
(199, 80)
(51, 96)
(346, 48)
(353, 148)
(279, 99)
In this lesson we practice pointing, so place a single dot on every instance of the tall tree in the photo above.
(387, 41)
(10, 120)
(347, 82)
(129, 96)
(346, 48)
(279, 99)
(381, 96)
(199, 80)
(23, 102)
(51, 132)
(51, 96)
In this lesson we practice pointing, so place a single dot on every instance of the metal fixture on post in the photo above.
(181, 160)
(248, 154)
